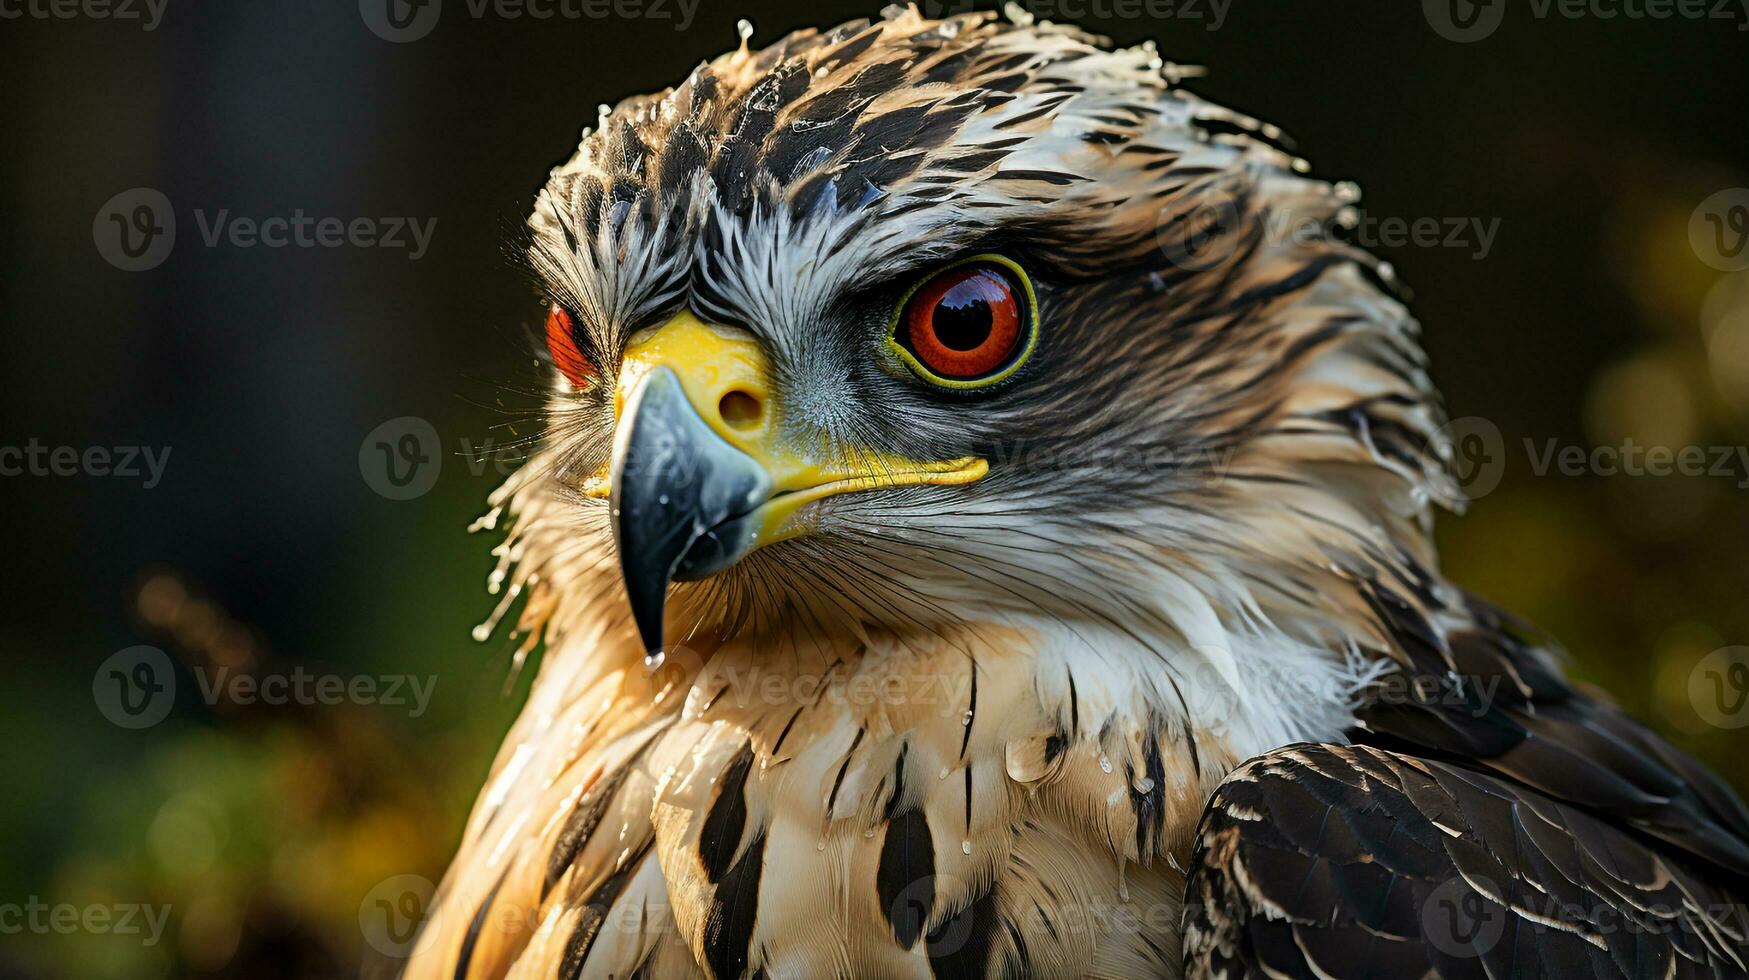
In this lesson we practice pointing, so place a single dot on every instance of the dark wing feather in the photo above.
(1353, 861)
(1504, 707)
(1491, 820)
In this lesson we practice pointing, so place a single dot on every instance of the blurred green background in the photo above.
(1590, 320)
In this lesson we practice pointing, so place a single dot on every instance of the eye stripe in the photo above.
(967, 326)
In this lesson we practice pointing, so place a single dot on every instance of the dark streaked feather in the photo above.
(1335, 861)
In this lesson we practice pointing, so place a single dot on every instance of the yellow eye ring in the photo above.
(968, 326)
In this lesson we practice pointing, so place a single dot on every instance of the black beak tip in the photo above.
(676, 483)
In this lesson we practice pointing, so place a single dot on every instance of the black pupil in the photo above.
(962, 319)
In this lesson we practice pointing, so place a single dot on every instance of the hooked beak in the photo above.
(702, 474)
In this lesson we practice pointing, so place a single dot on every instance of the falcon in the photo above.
(982, 528)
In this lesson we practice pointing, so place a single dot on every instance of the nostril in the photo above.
(741, 410)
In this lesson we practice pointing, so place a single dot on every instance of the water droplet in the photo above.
(654, 660)
(869, 833)
(943, 773)
(1104, 763)
(482, 632)
(965, 847)
(744, 29)
(1143, 784)
(967, 720)
(819, 845)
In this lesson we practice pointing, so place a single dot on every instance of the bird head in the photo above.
(917, 322)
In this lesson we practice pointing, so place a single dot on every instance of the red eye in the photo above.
(562, 343)
(967, 323)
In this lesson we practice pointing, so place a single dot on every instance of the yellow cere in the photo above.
(727, 378)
